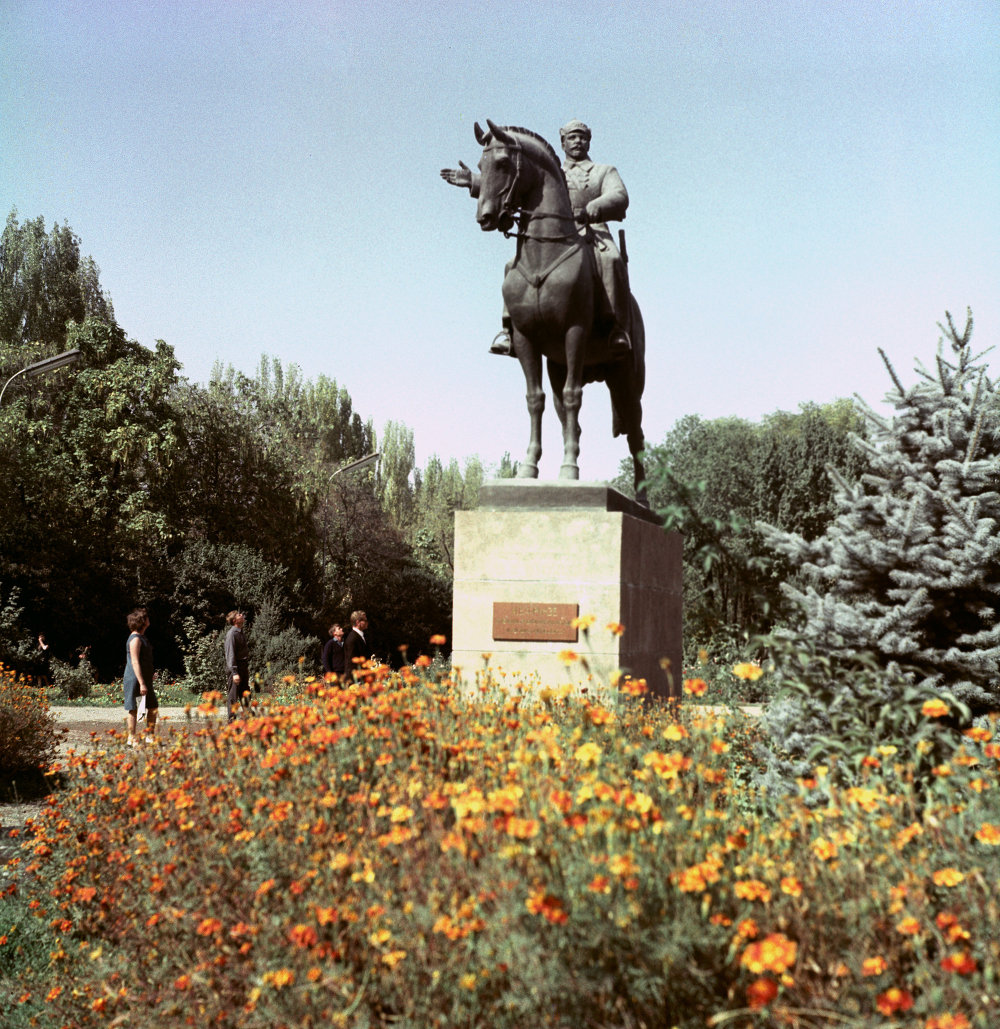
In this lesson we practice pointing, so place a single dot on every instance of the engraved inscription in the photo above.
(540, 623)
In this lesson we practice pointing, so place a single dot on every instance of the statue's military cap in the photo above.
(574, 126)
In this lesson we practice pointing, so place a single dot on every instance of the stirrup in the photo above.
(502, 344)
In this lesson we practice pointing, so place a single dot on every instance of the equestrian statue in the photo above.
(566, 293)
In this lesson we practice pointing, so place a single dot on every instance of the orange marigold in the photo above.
(894, 999)
(752, 889)
(775, 953)
(947, 1021)
(989, 834)
(947, 877)
(760, 993)
(695, 687)
(961, 962)
(874, 966)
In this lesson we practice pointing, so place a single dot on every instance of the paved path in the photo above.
(79, 723)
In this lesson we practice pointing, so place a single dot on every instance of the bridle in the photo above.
(511, 211)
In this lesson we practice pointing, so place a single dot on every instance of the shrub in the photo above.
(394, 854)
(72, 682)
(204, 658)
(29, 738)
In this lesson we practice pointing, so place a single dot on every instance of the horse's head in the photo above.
(505, 174)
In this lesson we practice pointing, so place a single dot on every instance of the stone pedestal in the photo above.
(534, 555)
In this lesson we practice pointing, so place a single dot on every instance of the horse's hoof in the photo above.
(527, 471)
(569, 471)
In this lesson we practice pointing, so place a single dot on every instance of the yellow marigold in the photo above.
(568, 657)
(989, 834)
(749, 670)
(622, 864)
(947, 877)
(908, 926)
(667, 766)
(583, 622)
(934, 708)
(588, 753)
(824, 849)
(775, 953)
(791, 886)
(615, 628)
(874, 966)
(279, 979)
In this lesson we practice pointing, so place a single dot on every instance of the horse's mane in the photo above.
(544, 143)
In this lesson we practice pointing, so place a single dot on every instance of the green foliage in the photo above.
(276, 647)
(16, 644)
(29, 739)
(45, 285)
(850, 714)
(71, 682)
(204, 658)
(714, 480)
(907, 576)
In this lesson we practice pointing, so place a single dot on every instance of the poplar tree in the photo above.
(906, 578)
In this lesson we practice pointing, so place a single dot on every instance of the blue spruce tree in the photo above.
(905, 582)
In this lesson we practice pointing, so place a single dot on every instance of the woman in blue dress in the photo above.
(139, 675)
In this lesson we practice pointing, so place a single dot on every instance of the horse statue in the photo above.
(550, 292)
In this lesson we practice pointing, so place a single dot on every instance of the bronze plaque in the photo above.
(541, 623)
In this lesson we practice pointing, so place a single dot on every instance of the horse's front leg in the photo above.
(531, 364)
(572, 397)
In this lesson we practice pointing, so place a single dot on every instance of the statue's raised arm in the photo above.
(462, 176)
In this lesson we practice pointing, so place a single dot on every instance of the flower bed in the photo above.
(394, 854)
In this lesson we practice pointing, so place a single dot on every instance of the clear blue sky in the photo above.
(809, 180)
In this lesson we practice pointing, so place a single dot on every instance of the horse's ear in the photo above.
(480, 135)
(499, 133)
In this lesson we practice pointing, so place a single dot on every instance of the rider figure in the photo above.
(598, 196)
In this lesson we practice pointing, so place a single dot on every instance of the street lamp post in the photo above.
(41, 367)
(354, 466)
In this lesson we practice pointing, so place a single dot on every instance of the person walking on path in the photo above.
(356, 646)
(333, 652)
(138, 678)
(237, 663)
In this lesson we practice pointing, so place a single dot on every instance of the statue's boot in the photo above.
(619, 343)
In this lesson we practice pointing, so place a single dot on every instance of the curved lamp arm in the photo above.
(40, 367)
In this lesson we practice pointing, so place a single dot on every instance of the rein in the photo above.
(524, 217)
